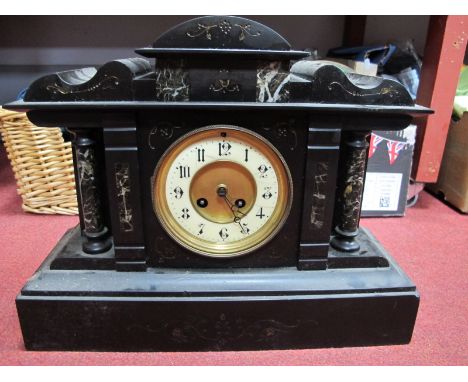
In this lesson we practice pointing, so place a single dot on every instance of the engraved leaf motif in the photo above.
(202, 29)
(107, 83)
(122, 179)
(224, 329)
(224, 86)
(223, 27)
(246, 30)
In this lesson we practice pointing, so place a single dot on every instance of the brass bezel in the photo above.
(240, 247)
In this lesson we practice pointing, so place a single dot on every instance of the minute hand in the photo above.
(237, 218)
(233, 208)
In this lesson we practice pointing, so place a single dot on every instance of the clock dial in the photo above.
(222, 191)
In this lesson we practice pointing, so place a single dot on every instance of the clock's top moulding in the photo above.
(219, 62)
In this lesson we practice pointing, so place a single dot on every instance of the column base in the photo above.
(345, 241)
(97, 242)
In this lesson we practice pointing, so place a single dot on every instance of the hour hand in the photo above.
(222, 192)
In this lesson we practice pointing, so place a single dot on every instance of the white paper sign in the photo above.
(381, 191)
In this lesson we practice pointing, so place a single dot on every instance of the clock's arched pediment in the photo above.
(222, 35)
(222, 32)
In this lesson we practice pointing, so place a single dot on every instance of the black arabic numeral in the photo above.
(185, 213)
(178, 192)
(260, 213)
(201, 226)
(267, 194)
(223, 233)
(263, 169)
(223, 148)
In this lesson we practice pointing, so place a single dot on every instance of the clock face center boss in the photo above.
(222, 191)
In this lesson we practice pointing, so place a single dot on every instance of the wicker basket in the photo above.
(42, 163)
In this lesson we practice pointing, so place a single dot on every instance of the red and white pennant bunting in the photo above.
(394, 147)
(374, 142)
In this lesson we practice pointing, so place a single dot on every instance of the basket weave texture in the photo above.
(42, 163)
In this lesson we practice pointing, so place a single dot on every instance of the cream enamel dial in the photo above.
(222, 191)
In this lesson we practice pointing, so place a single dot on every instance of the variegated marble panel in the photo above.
(172, 82)
(272, 82)
(90, 201)
(351, 197)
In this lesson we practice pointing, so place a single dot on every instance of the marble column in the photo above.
(350, 190)
(95, 232)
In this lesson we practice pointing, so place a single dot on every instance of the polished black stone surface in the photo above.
(199, 310)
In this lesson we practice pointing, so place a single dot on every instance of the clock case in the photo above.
(119, 282)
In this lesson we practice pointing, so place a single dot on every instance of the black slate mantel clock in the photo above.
(219, 196)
